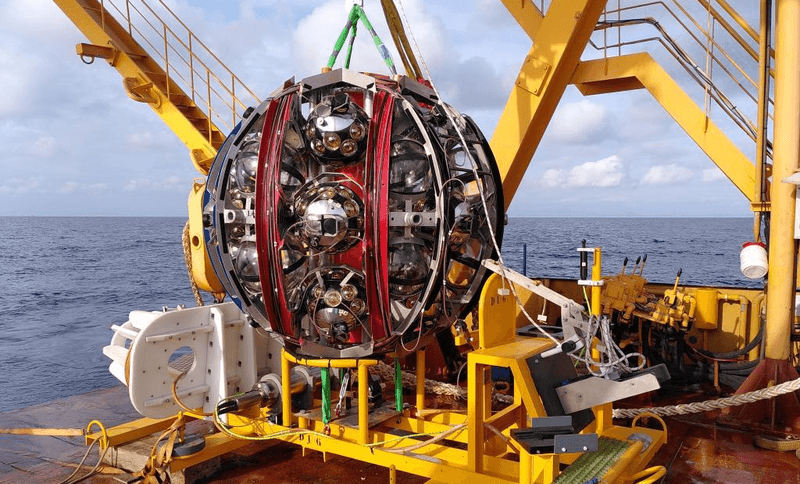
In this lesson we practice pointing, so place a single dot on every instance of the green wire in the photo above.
(586, 297)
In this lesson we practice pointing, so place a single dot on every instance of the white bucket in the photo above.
(753, 260)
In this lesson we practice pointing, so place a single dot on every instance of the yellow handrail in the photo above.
(213, 88)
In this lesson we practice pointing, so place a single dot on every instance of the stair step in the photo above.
(182, 101)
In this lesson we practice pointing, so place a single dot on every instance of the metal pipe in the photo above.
(781, 287)
(762, 113)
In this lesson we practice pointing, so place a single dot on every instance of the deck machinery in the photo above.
(353, 217)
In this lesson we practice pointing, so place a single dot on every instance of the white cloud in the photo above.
(19, 186)
(713, 174)
(608, 172)
(581, 122)
(147, 140)
(73, 186)
(172, 183)
(552, 178)
(666, 175)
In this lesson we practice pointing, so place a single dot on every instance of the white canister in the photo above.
(753, 260)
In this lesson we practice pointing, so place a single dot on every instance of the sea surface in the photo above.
(64, 281)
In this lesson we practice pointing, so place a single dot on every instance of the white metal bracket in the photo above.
(213, 347)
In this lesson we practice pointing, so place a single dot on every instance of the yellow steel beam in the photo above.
(641, 70)
(141, 84)
(527, 15)
(545, 73)
(133, 430)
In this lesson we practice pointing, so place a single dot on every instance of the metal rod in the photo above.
(208, 103)
(762, 114)
(191, 65)
(524, 259)
(166, 59)
(128, 16)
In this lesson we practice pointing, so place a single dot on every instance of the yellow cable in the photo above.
(649, 475)
(187, 410)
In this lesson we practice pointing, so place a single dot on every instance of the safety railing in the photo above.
(188, 63)
(728, 70)
(709, 39)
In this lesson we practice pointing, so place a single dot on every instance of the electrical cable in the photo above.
(178, 400)
(733, 354)
(80, 464)
(615, 358)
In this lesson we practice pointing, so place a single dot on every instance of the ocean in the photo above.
(66, 280)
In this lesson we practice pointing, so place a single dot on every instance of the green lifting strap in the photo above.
(398, 386)
(357, 13)
(326, 395)
(350, 47)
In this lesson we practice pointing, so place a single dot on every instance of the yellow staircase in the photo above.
(701, 60)
(164, 65)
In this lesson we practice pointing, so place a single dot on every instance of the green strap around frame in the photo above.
(356, 14)
(398, 386)
(325, 375)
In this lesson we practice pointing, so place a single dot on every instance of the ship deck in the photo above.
(700, 449)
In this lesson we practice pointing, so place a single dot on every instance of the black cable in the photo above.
(734, 354)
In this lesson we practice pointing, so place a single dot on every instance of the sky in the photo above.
(76, 145)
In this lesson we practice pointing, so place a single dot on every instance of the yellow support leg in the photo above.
(286, 390)
(545, 468)
(476, 410)
(363, 403)
(420, 380)
(525, 468)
